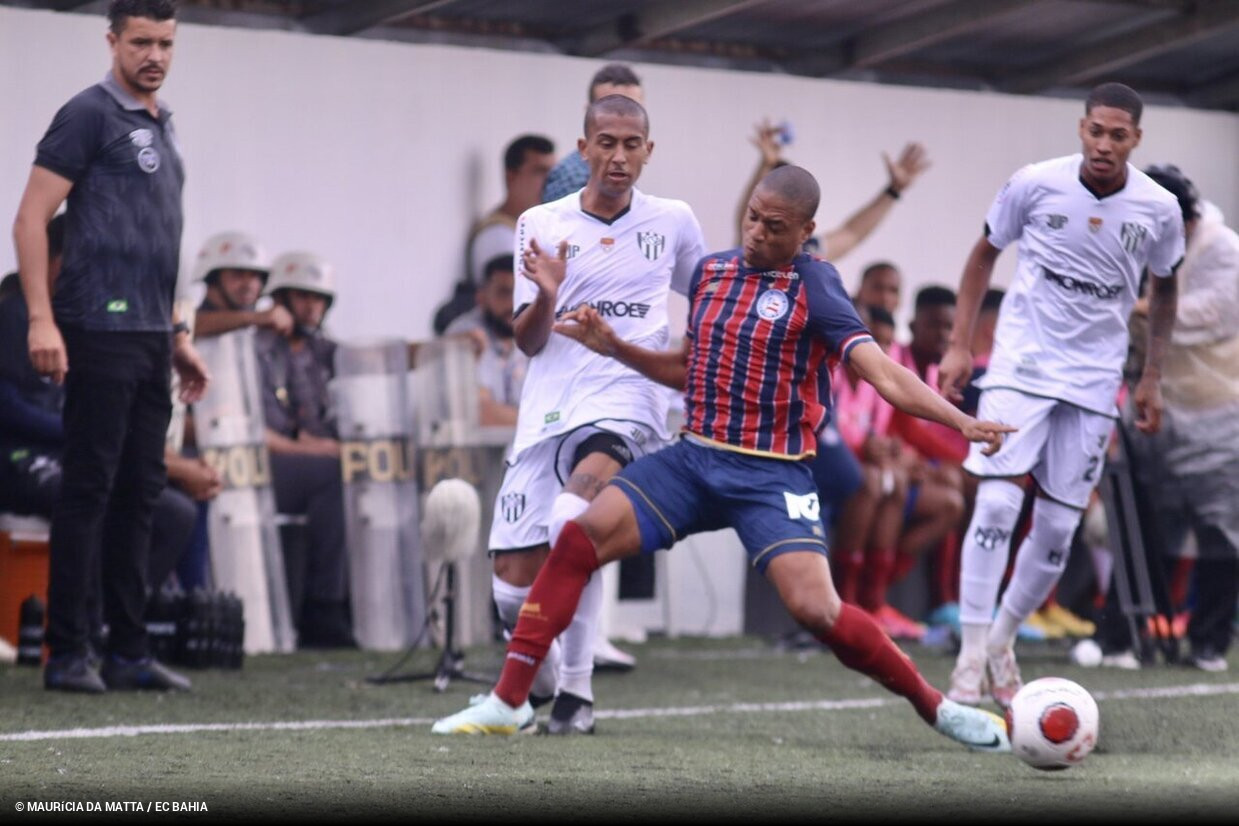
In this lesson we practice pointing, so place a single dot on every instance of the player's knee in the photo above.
(519, 568)
(812, 610)
(1053, 527)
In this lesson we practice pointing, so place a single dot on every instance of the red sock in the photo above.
(904, 563)
(547, 611)
(862, 646)
(849, 564)
(879, 565)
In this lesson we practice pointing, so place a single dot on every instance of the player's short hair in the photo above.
(934, 296)
(879, 315)
(615, 105)
(514, 155)
(797, 186)
(496, 265)
(1116, 96)
(615, 74)
(119, 12)
(1171, 178)
(992, 300)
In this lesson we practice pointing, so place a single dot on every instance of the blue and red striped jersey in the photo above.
(761, 344)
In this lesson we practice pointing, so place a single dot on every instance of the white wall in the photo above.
(378, 154)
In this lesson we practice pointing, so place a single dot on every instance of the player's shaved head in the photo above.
(796, 186)
(615, 105)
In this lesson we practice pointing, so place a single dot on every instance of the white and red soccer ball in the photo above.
(1053, 723)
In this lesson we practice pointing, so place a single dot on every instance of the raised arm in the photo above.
(765, 139)
(841, 240)
(585, 326)
(956, 366)
(901, 387)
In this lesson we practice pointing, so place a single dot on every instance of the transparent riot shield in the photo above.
(374, 415)
(245, 545)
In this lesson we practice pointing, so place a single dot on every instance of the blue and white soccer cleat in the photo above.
(975, 728)
(490, 716)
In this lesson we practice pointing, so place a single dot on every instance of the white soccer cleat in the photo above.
(974, 728)
(609, 658)
(968, 683)
(489, 716)
(1004, 676)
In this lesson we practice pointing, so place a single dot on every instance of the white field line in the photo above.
(1194, 690)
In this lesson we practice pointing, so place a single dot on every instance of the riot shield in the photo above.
(245, 545)
(374, 416)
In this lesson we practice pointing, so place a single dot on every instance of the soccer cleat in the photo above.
(1047, 629)
(490, 715)
(968, 683)
(1004, 676)
(1126, 660)
(571, 715)
(977, 729)
(1074, 625)
(1209, 659)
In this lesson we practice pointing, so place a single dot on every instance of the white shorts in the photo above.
(1061, 445)
(537, 475)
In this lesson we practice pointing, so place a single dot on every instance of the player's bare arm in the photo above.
(45, 192)
(533, 323)
(956, 366)
(1163, 303)
(912, 161)
(585, 326)
(901, 387)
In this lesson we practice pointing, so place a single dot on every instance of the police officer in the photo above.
(294, 369)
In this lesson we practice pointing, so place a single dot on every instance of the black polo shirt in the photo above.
(123, 224)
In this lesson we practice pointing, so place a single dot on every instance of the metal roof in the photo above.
(1173, 51)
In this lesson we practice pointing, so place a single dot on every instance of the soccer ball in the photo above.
(1053, 723)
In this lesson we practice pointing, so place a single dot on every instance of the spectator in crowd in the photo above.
(526, 162)
(838, 242)
(572, 172)
(108, 330)
(501, 364)
(880, 286)
(1190, 467)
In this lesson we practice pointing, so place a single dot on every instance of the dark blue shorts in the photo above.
(690, 488)
(836, 472)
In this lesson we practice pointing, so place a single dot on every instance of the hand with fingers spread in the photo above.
(765, 138)
(913, 160)
(543, 269)
(585, 326)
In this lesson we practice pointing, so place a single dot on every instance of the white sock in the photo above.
(1039, 564)
(576, 675)
(509, 599)
(576, 672)
(972, 640)
(983, 560)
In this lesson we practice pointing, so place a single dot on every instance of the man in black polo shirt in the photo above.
(106, 329)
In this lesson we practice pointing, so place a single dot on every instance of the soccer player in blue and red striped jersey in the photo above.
(764, 321)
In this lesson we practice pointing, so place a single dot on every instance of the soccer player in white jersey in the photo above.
(584, 416)
(1088, 226)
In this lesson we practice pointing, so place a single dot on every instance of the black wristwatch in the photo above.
(179, 327)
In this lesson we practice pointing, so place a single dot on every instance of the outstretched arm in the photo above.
(956, 366)
(585, 326)
(901, 387)
(843, 239)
